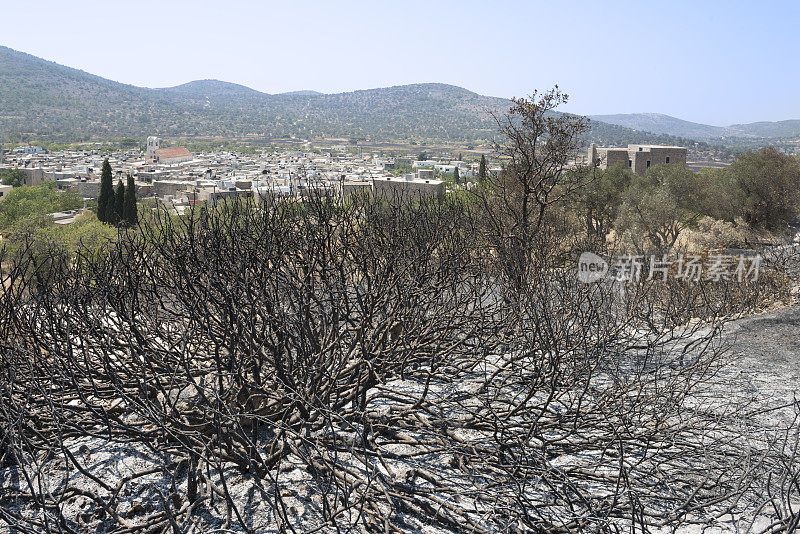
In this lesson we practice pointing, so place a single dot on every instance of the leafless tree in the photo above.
(335, 366)
(535, 145)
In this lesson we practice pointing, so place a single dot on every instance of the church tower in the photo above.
(153, 144)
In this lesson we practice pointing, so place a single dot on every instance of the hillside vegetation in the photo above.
(47, 100)
(664, 124)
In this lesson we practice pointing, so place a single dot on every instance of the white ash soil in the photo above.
(763, 375)
(764, 370)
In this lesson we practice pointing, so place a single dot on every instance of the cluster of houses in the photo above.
(178, 178)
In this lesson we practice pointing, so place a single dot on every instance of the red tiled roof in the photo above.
(173, 152)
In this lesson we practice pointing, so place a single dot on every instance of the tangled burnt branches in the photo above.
(346, 366)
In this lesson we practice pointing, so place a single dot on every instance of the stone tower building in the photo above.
(637, 158)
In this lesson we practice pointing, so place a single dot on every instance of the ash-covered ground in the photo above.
(759, 378)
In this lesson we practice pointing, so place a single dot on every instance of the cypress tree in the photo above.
(106, 193)
(129, 214)
(119, 203)
(456, 176)
(482, 170)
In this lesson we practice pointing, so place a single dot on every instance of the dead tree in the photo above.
(350, 366)
(535, 145)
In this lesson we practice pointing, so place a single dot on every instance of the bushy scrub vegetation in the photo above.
(29, 204)
(380, 364)
(63, 104)
(12, 177)
(367, 361)
(27, 225)
(755, 200)
(401, 167)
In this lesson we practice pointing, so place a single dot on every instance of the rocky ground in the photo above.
(761, 371)
(762, 375)
(767, 346)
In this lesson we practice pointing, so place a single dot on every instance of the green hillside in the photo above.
(664, 124)
(47, 100)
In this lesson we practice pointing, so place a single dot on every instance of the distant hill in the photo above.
(49, 100)
(659, 123)
(304, 92)
(664, 124)
(790, 128)
(211, 88)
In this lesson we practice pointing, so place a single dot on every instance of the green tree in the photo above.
(657, 207)
(119, 202)
(105, 202)
(601, 196)
(48, 242)
(130, 215)
(35, 203)
(456, 176)
(422, 156)
(482, 170)
(684, 186)
(12, 177)
(768, 183)
(720, 197)
(86, 234)
(129, 142)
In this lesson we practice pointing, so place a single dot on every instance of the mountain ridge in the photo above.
(666, 124)
(43, 98)
(215, 87)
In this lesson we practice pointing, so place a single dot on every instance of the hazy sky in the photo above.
(711, 62)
